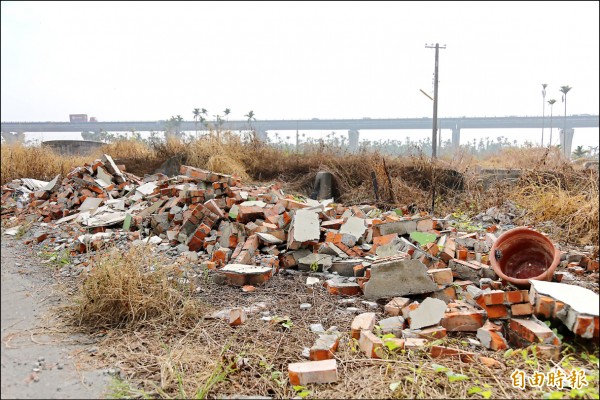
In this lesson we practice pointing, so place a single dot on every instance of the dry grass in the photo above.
(131, 289)
(167, 356)
(19, 161)
(547, 158)
(569, 199)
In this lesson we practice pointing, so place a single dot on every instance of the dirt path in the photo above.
(39, 361)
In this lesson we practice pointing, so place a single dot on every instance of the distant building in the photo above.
(78, 118)
(93, 119)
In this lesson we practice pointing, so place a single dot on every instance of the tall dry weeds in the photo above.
(568, 198)
(132, 288)
(37, 162)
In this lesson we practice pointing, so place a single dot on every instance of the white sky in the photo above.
(295, 60)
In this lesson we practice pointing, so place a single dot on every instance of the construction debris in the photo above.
(433, 279)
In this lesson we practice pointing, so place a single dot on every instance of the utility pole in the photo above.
(435, 98)
(434, 129)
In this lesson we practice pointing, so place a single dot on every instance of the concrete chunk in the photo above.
(306, 226)
(354, 226)
(429, 312)
(580, 299)
(398, 278)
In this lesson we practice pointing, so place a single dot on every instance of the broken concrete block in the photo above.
(398, 278)
(578, 305)
(315, 262)
(355, 227)
(304, 373)
(466, 270)
(364, 321)
(346, 267)
(305, 228)
(268, 238)
(403, 227)
(429, 313)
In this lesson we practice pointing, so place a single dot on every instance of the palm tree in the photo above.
(196, 115)
(544, 85)
(178, 121)
(203, 119)
(565, 90)
(551, 102)
(250, 116)
(579, 152)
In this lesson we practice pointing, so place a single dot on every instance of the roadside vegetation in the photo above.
(551, 190)
(155, 316)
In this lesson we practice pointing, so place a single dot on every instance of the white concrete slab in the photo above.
(429, 313)
(354, 226)
(90, 203)
(306, 226)
(580, 299)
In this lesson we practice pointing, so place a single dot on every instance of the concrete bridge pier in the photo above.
(455, 138)
(353, 135)
(566, 141)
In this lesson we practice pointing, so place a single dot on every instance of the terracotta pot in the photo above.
(521, 254)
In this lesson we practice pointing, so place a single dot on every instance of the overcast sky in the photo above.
(289, 60)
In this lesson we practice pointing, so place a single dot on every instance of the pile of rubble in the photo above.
(431, 278)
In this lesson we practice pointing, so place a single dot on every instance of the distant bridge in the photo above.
(352, 125)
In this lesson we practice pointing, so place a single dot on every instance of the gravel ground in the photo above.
(38, 359)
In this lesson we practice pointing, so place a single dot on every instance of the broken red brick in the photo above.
(442, 351)
(434, 332)
(533, 331)
(370, 344)
(304, 373)
(324, 347)
(490, 362)
(463, 321)
(237, 316)
(521, 309)
(544, 306)
(364, 321)
(441, 276)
